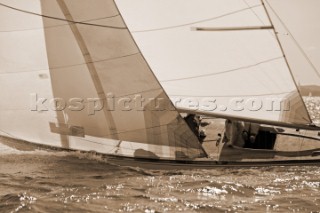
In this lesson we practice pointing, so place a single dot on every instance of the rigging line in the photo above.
(73, 65)
(227, 96)
(223, 72)
(53, 26)
(258, 17)
(254, 12)
(295, 41)
(97, 61)
(196, 22)
(61, 19)
(285, 58)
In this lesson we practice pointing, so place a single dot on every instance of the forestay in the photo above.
(299, 31)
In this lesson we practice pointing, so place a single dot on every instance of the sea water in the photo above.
(47, 181)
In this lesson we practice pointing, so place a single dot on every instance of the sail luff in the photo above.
(155, 77)
(295, 41)
(285, 58)
(94, 59)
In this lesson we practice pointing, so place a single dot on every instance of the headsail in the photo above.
(240, 73)
(298, 30)
(93, 61)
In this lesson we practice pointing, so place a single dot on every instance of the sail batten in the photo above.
(196, 22)
(232, 28)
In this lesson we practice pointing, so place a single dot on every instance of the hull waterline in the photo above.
(163, 164)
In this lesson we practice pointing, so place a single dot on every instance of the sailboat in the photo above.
(116, 77)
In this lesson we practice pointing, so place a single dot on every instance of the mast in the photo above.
(312, 65)
(267, 27)
(284, 56)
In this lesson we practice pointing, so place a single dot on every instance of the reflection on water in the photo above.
(41, 181)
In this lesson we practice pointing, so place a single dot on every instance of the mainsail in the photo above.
(219, 58)
(299, 33)
(81, 52)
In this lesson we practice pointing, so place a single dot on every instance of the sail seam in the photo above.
(73, 65)
(54, 26)
(97, 61)
(223, 72)
(136, 93)
(61, 19)
(196, 22)
(130, 94)
(251, 8)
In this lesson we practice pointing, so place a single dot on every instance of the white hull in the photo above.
(226, 156)
(159, 164)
